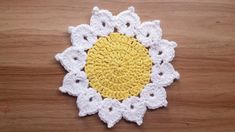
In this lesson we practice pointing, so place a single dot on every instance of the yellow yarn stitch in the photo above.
(118, 66)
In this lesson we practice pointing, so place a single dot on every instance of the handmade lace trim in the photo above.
(118, 66)
(90, 85)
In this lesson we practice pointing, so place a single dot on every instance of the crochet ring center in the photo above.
(118, 66)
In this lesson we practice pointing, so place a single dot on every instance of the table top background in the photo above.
(32, 32)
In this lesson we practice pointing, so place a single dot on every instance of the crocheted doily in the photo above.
(117, 66)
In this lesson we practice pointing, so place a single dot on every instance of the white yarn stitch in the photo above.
(110, 111)
(127, 22)
(74, 83)
(82, 36)
(134, 109)
(89, 101)
(163, 51)
(72, 59)
(149, 33)
(154, 96)
(102, 21)
(164, 75)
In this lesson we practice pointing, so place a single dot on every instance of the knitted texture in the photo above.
(117, 66)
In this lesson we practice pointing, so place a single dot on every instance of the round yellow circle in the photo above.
(118, 66)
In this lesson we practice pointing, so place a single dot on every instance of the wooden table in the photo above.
(32, 32)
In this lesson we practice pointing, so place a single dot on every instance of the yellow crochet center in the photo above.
(118, 66)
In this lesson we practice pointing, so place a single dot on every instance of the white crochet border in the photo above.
(73, 59)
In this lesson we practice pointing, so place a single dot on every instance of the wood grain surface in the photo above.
(32, 32)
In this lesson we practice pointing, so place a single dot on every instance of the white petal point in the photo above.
(110, 112)
(88, 102)
(163, 51)
(149, 33)
(127, 22)
(154, 96)
(164, 74)
(82, 36)
(74, 83)
(134, 109)
(102, 22)
(95, 10)
(72, 59)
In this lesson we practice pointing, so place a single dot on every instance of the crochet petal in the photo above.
(82, 36)
(127, 21)
(72, 59)
(154, 96)
(134, 109)
(110, 111)
(164, 75)
(88, 102)
(74, 83)
(163, 51)
(149, 33)
(102, 21)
